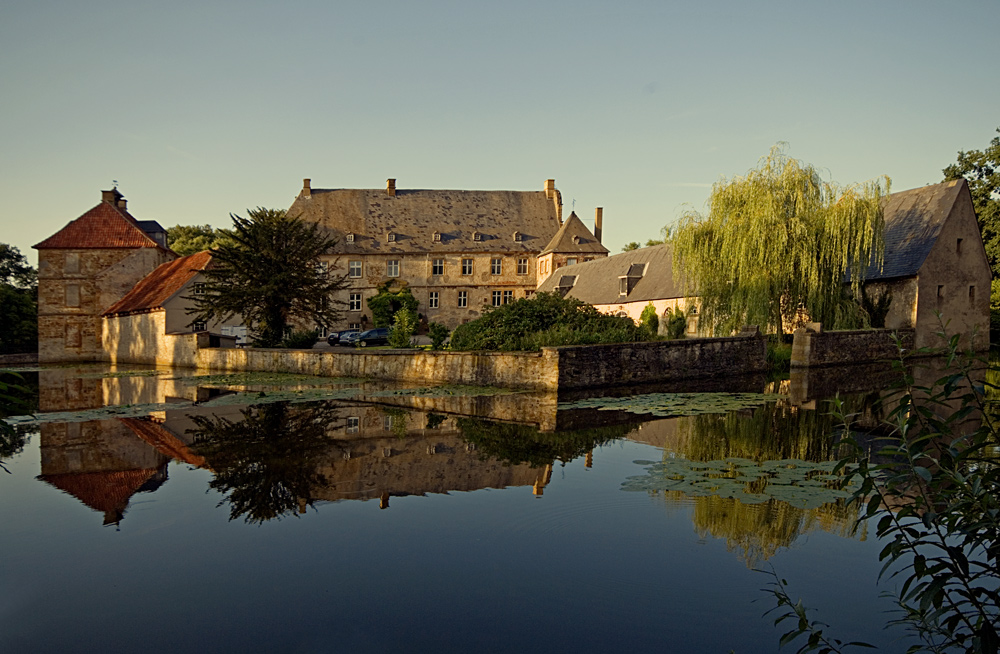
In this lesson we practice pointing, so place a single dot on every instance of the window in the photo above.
(496, 298)
(508, 297)
(571, 261)
(72, 262)
(354, 269)
(437, 237)
(392, 267)
(349, 238)
(386, 426)
(940, 295)
(972, 295)
(355, 303)
(353, 424)
(466, 266)
(476, 236)
(463, 299)
(432, 300)
(623, 286)
(199, 326)
(522, 266)
(199, 288)
(958, 247)
(517, 237)
(390, 237)
(354, 325)
(495, 266)
(437, 267)
(72, 295)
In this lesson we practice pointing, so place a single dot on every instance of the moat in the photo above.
(158, 510)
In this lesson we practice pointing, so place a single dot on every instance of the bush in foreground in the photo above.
(545, 319)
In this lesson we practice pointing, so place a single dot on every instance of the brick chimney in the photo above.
(306, 187)
(550, 188)
(122, 204)
(598, 222)
(390, 187)
(111, 197)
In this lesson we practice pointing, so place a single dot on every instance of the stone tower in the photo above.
(86, 267)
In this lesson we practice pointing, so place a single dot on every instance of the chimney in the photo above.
(598, 222)
(550, 188)
(390, 187)
(306, 188)
(122, 203)
(111, 197)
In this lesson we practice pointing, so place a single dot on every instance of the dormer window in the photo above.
(517, 237)
(390, 237)
(476, 236)
(576, 240)
(437, 237)
(349, 238)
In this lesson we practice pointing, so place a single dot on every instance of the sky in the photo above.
(202, 109)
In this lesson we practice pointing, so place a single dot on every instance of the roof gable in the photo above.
(104, 226)
(464, 221)
(597, 281)
(574, 237)
(153, 290)
(913, 222)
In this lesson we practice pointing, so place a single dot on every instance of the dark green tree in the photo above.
(981, 168)
(387, 303)
(270, 274)
(18, 302)
(188, 239)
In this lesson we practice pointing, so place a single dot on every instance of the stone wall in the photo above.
(140, 338)
(18, 359)
(588, 366)
(813, 347)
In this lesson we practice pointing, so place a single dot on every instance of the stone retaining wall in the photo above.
(814, 347)
(19, 359)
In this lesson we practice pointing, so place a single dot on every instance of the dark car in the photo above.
(337, 338)
(377, 336)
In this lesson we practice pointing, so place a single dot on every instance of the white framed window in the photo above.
(571, 261)
(354, 325)
(354, 269)
(353, 424)
(466, 266)
(476, 236)
(199, 326)
(517, 237)
(496, 265)
(508, 297)
(387, 423)
(432, 300)
(437, 237)
(437, 267)
(463, 299)
(349, 238)
(390, 237)
(522, 266)
(198, 288)
(497, 298)
(355, 302)
(392, 267)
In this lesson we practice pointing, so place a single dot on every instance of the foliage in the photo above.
(387, 303)
(982, 170)
(404, 325)
(188, 239)
(777, 241)
(18, 302)
(544, 319)
(676, 324)
(875, 308)
(634, 245)
(779, 356)
(439, 334)
(649, 321)
(515, 444)
(16, 398)
(267, 464)
(270, 275)
(301, 340)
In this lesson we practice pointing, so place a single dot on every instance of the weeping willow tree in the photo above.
(777, 244)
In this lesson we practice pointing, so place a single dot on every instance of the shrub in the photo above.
(439, 334)
(649, 321)
(676, 323)
(386, 304)
(403, 326)
(543, 319)
(301, 340)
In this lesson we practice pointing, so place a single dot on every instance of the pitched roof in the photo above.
(163, 440)
(597, 281)
(574, 237)
(415, 216)
(153, 290)
(108, 492)
(104, 226)
(913, 222)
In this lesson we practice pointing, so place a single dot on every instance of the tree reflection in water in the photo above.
(267, 464)
(515, 443)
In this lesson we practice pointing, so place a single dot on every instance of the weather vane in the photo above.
(115, 182)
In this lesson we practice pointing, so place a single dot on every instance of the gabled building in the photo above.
(457, 251)
(86, 267)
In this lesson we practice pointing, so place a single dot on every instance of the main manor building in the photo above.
(457, 251)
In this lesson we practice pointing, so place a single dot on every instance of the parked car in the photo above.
(377, 336)
(350, 339)
(337, 338)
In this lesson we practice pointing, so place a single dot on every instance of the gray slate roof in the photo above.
(597, 280)
(913, 221)
(415, 215)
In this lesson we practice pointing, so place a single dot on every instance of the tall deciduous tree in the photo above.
(18, 302)
(270, 275)
(188, 239)
(777, 241)
(982, 170)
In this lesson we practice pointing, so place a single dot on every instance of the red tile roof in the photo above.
(104, 226)
(108, 492)
(160, 285)
(164, 441)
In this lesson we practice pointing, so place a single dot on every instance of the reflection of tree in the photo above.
(18, 396)
(514, 444)
(266, 464)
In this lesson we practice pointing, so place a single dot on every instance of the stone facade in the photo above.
(813, 347)
(457, 251)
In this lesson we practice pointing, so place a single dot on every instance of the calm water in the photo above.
(387, 519)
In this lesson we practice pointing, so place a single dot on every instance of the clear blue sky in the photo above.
(203, 108)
